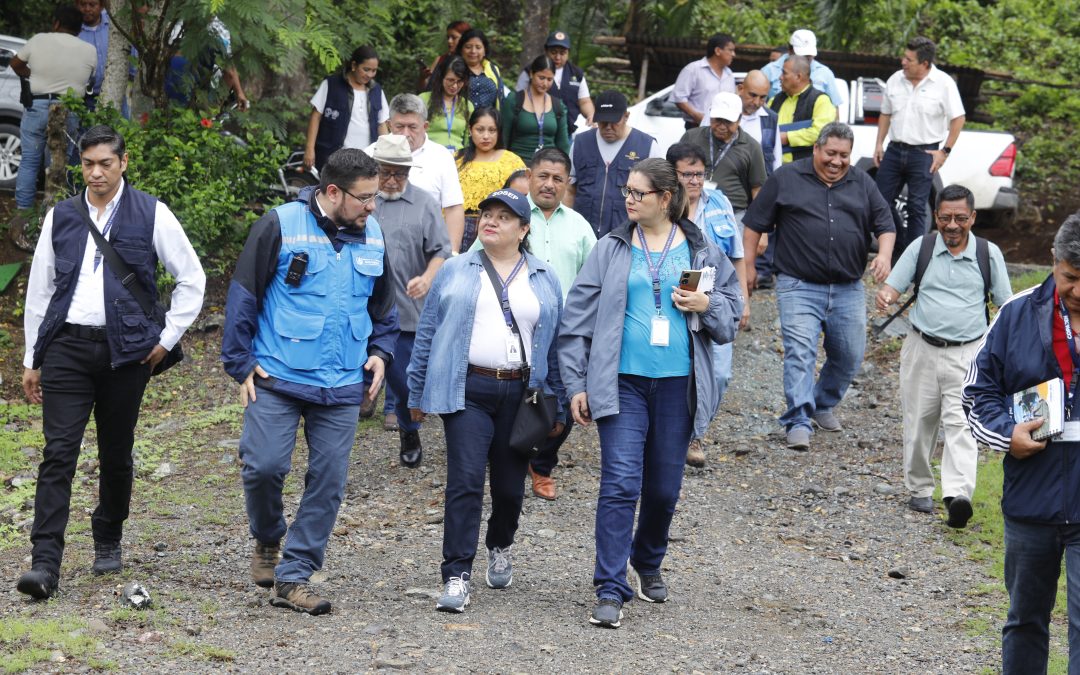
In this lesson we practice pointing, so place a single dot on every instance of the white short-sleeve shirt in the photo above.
(358, 134)
(921, 114)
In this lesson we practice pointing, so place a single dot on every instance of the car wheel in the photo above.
(10, 155)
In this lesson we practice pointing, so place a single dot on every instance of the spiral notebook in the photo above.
(1045, 400)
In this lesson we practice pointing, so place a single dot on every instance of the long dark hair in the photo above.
(361, 54)
(453, 64)
(468, 153)
(661, 174)
(469, 35)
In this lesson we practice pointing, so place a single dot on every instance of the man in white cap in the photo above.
(416, 240)
(804, 43)
(736, 164)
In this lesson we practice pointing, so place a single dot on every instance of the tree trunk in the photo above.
(56, 139)
(536, 27)
(114, 86)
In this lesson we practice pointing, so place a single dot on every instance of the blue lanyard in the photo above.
(504, 295)
(540, 119)
(105, 233)
(1075, 358)
(654, 272)
(450, 122)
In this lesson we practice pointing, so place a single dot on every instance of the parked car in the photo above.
(10, 113)
(982, 161)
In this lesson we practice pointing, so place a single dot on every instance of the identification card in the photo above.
(1071, 432)
(513, 348)
(661, 329)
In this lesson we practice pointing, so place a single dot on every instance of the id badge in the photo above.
(513, 348)
(661, 328)
(710, 185)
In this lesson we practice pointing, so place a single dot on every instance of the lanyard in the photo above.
(1072, 353)
(450, 121)
(504, 295)
(539, 119)
(723, 151)
(654, 272)
(105, 233)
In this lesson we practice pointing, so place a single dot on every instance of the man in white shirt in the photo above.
(758, 120)
(90, 346)
(699, 81)
(922, 114)
(433, 170)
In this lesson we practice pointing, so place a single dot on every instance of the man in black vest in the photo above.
(570, 85)
(91, 348)
(803, 110)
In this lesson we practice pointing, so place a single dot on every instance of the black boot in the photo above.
(411, 450)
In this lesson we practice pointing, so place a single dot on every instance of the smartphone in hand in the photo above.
(689, 279)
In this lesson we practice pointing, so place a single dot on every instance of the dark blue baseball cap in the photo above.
(557, 38)
(512, 199)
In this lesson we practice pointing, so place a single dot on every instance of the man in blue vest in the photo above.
(603, 158)
(90, 347)
(310, 309)
(570, 85)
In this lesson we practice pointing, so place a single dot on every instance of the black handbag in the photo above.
(536, 413)
(154, 311)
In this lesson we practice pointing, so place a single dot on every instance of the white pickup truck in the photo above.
(982, 161)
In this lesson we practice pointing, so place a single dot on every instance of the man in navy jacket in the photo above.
(1031, 341)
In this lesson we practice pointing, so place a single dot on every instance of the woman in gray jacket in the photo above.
(649, 384)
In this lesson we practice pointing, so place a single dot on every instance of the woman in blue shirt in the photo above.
(650, 386)
(471, 367)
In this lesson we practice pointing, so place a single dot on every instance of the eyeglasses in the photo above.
(960, 218)
(691, 175)
(363, 200)
(636, 195)
(396, 175)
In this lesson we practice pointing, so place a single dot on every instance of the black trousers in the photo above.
(77, 379)
(548, 458)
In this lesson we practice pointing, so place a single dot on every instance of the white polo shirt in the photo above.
(921, 114)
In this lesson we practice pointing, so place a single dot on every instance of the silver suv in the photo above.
(10, 113)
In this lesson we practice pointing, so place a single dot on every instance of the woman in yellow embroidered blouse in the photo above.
(483, 166)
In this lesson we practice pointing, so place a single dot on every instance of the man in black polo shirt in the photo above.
(823, 212)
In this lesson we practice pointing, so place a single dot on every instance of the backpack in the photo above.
(982, 257)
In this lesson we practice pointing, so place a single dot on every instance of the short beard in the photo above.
(391, 196)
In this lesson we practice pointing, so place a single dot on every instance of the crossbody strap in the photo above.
(119, 268)
(496, 283)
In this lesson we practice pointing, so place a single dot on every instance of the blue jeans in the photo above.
(907, 165)
(1032, 567)
(721, 357)
(478, 437)
(266, 448)
(807, 309)
(642, 453)
(32, 138)
(397, 383)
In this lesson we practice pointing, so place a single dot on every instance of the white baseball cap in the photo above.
(726, 106)
(804, 42)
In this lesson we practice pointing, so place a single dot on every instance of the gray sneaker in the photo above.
(826, 421)
(607, 613)
(455, 595)
(798, 438)
(921, 504)
(500, 571)
(649, 587)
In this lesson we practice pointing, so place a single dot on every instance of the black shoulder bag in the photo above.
(153, 311)
(535, 416)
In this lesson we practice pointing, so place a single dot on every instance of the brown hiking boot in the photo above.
(543, 486)
(695, 456)
(263, 561)
(299, 597)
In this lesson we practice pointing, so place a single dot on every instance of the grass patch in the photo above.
(184, 648)
(1028, 279)
(25, 643)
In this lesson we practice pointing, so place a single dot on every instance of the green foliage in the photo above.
(25, 643)
(209, 178)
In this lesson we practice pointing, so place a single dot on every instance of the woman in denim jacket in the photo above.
(467, 365)
(649, 383)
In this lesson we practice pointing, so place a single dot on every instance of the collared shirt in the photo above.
(740, 170)
(823, 113)
(716, 219)
(921, 113)
(821, 76)
(414, 233)
(435, 173)
(98, 36)
(822, 233)
(751, 124)
(950, 303)
(88, 303)
(523, 81)
(698, 83)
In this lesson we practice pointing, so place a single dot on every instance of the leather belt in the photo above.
(909, 146)
(46, 97)
(938, 342)
(498, 373)
(92, 333)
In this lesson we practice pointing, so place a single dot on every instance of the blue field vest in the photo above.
(317, 333)
(131, 334)
(567, 92)
(337, 112)
(768, 138)
(598, 198)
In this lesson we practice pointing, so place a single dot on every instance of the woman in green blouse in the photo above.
(534, 119)
(448, 104)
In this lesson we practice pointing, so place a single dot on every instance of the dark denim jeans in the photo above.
(907, 165)
(397, 389)
(77, 378)
(1033, 555)
(642, 453)
(478, 437)
(266, 449)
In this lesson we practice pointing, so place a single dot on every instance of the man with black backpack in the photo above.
(955, 276)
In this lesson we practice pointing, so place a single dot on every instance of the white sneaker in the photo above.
(455, 595)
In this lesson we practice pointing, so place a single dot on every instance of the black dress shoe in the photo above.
(411, 450)
(39, 584)
(960, 512)
(106, 558)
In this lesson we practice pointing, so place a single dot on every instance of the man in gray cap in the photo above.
(416, 239)
(570, 85)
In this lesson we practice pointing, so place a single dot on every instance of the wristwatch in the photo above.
(946, 150)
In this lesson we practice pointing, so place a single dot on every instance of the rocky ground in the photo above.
(780, 562)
